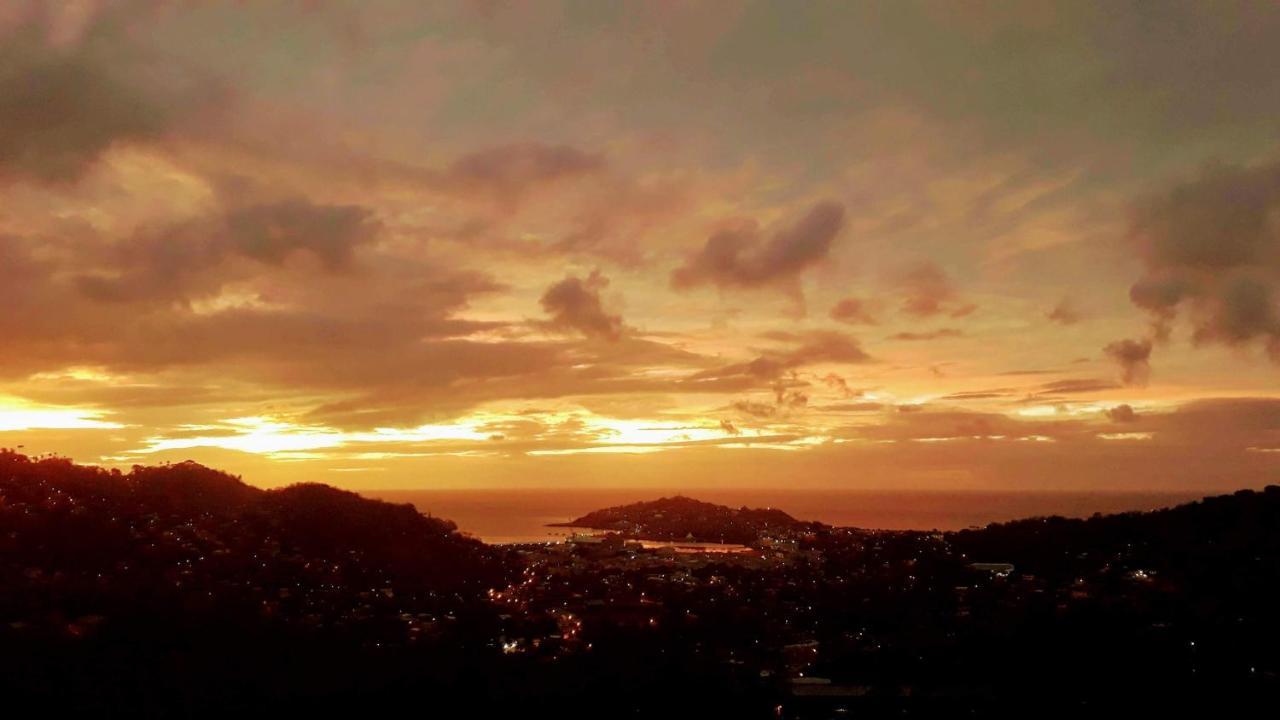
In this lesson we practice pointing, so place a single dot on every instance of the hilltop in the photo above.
(684, 518)
(63, 513)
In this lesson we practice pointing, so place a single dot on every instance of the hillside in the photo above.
(67, 518)
(180, 570)
(1226, 538)
(181, 591)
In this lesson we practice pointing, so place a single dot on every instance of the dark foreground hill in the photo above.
(179, 591)
(177, 588)
(170, 520)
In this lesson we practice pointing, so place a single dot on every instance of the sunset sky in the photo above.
(980, 245)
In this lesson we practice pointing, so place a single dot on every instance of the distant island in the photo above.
(179, 590)
(683, 518)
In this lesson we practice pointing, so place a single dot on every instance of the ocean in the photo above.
(511, 516)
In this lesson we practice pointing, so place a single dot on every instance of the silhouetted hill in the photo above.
(1236, 534)
(180, 591)
(180, 587)
(681, 518)
(191, 510)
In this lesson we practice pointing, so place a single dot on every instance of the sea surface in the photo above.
(512, 516)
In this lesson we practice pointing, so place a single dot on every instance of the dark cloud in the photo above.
(527, 430)
(785, 402)
(20, 271)
(928, 291)
(192, 259)
(931, 335)
(852, 311)
(509, 171)
(1122, 414)
(62, 107)
(1084, 385)
(1064, 313)
(792, 400)
(979, 395)
(1134, 359)
(814, 347)
(739, 258)
(825, 346)
(839, 384)
(270, 233)
(464, 374)
(755, 409)
(574, 304)
(1211, 247)
(859, 407)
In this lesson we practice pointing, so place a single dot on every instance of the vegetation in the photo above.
(180, 591)
(682, 518)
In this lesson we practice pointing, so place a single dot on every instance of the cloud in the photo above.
(191, 259)
(791, 400)
(931, 335)
(928, 291)
(574, 304)
(739, 258)
(1122, 414)
(921, 424)
(840, 385)
(509, 171)
(823, 346)
(1073, 386)
(1203, 441)
(812, 348)
(62, 106)
(1211, 247)
(755, 409)
(1227, 426)
(978, 395)
(1133, 357)
(270, 233)
(1064, 313)
(852, 311)
(1018, 373)
(858, 407)
(785, 401)
(1246, 420)
(379, 346)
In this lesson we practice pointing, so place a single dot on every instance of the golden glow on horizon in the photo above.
(587, 432)
(1127, 436)
(17, 414)
(273, 437)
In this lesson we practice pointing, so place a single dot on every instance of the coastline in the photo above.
(543, 515)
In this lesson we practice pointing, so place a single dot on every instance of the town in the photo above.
(339, 601)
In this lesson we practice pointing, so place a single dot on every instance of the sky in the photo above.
(877, 245)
